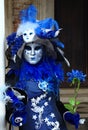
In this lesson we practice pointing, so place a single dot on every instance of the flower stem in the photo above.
(77, 87)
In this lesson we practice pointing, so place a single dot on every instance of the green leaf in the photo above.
(69, 107)
(77, 102)
(72, 101)
(75, 109)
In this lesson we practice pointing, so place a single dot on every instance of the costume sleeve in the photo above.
(61, 107)
(11, 77)
(15, 107)
(9, 111)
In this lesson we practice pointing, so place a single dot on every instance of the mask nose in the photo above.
(32, 51)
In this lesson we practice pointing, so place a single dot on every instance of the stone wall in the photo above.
(17, 6)
(13, 7)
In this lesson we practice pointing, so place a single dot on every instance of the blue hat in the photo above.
(31, 29)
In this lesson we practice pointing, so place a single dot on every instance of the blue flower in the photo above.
(77, 75)
(43, 85)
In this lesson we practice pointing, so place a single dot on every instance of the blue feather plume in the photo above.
(28, 14)
(48, 23)
(47, 28)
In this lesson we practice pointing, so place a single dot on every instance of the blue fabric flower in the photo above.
(76, 74)
(17, 45)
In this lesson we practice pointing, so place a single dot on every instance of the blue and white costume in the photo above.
(40, 81)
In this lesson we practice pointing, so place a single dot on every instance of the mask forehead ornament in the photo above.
(29, 36)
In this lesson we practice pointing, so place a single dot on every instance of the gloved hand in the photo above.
(18, 118)
(72, 118)
(16, 105)
(16, 95)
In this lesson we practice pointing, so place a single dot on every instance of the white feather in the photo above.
(3, 96)
(26, 26)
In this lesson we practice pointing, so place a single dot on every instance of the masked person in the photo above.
(35, 59)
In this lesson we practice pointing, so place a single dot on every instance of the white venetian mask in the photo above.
(29, 36)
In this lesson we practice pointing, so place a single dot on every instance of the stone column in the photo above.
(8, 17)
(2, 65)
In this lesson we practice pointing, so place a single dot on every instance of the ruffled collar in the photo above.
(43, 71)
(48, 74)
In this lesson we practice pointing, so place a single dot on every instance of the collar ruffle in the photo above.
(46, 73)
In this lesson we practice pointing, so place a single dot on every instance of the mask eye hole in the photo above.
(27, 47)
(30, 33)
(38, 48)
(25, 34)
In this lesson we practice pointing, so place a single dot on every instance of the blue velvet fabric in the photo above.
(41, 83)
(42, 113)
